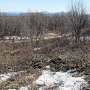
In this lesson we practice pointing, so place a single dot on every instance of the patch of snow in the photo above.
(48, 67)
(51, 36)
(71, 70)
(36, 49)
(4, 77)
(24, 88)
(15, 37)
(61, 80)
(12, 37)
(25, 38)
(12, 89)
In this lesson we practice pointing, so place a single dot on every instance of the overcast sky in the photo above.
(38, 5)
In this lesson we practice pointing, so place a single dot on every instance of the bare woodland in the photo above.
(69, 48)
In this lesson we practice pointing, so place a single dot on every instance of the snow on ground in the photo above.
(12, 89)
(56, 80)
(60, 80)
(36, 49)
(15, 37)
(23, 88)
(6, 76)
(51, 35)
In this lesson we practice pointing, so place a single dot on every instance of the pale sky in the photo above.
(38, 5)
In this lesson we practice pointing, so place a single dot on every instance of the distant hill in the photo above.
(17, 14)
(10, 13)
(51, 14)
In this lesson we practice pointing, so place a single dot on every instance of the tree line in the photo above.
(35, 25)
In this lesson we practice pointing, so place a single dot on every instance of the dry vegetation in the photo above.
(53, 40)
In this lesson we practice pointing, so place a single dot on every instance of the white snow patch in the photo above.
(48, 67)
(51, 36)
(36, 49)
(12, 89)
(15, 37)
(24, 88)
(4, 77)
(61, 80)
(12, 37)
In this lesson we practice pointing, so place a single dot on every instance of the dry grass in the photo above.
(21, 79)
(18, 55)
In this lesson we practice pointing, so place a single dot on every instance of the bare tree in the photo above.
(2, 19)
(77, 19)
